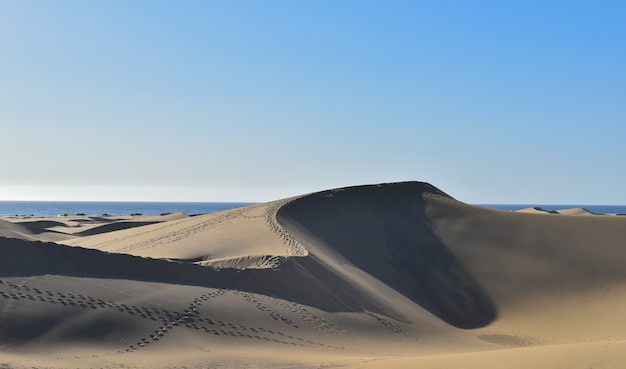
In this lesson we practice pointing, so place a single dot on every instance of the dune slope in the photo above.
(363, 277)
(384, 232)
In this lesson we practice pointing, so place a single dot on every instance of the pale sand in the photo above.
(384, 276)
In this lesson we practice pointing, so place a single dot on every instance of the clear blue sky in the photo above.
(491, 101)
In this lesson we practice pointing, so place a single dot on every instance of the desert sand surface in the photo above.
(377, 276)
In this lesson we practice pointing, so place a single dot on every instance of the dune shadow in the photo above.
(384, 231)
(41, 226)
(294, 281)
(111, 227)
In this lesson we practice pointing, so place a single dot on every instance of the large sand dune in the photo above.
(382, 276)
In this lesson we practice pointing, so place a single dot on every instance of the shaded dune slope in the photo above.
(383, 231)
(299, 279)
(112, 227)
(519, 255)
(40, 226)
(9, 229)
(30, 231)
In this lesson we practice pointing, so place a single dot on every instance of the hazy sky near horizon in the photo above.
(490, 101)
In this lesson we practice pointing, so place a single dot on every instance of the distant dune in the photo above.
(377, 276)
(576, 211)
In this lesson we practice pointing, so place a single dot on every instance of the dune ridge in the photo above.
(235, 235)
(374, 276)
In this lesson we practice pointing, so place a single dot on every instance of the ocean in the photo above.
(93, 208)
(97, 208)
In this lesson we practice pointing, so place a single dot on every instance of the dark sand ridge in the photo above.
(349, 277)
(385, 233)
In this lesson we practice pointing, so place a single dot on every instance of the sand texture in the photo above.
(378, 276)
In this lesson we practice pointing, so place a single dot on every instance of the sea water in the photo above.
(93, 208)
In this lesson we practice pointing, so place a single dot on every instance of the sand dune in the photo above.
(61, 228)
(570, 211)
(381, 276)
(235, 237)
(536, 210)
(576, 211)
(10, 229)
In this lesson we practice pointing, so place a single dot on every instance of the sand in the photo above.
(379, 276)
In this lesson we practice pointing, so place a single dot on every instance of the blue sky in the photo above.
(491, 101)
